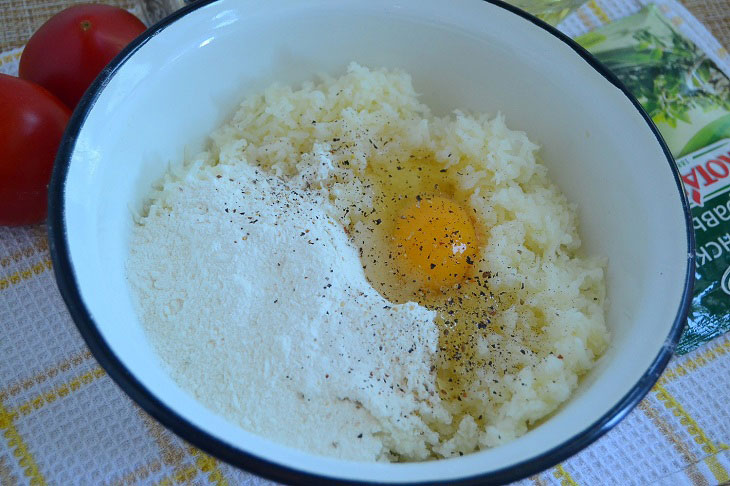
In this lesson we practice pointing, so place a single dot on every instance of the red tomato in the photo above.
(32, 121)
(67, 53)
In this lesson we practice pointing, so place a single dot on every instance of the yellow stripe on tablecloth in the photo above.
(585, 19)
(27, 274)
(599, 12)
(64, 366)
(694, 430)
(181, 475)
(717, 469)
(19, 448)
(208, 465)
(564, 476)
(60, 392)
(703, 358)
(39, 247)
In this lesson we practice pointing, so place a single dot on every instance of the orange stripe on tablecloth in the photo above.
(666, 430)
(172, 455)
(565, 478)
(696, 476)
(694, 430)
(60, 392)
(138, 474)
(27, 274)
(585, 19)
(6, 475)
(175, 456)
(537, 480)
(40, 246)
(20, 449)
(679, 445)
(64, 366)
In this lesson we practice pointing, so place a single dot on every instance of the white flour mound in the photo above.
(258, 306)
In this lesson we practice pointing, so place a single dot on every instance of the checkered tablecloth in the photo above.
(63, 421)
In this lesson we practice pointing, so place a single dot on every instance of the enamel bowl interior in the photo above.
(159, 102)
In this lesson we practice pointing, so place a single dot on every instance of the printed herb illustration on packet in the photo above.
(688, 97)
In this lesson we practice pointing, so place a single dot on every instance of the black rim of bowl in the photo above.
(68, 287)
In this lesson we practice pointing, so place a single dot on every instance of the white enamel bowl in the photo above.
(184, 76)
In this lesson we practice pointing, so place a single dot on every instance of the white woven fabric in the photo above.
(63, 421)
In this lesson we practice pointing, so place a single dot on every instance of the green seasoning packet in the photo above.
(688, 97)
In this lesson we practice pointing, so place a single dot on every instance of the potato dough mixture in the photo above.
(344, 273)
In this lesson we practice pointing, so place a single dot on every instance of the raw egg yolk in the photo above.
(435, 242)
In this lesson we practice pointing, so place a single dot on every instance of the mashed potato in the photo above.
(347, 274)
